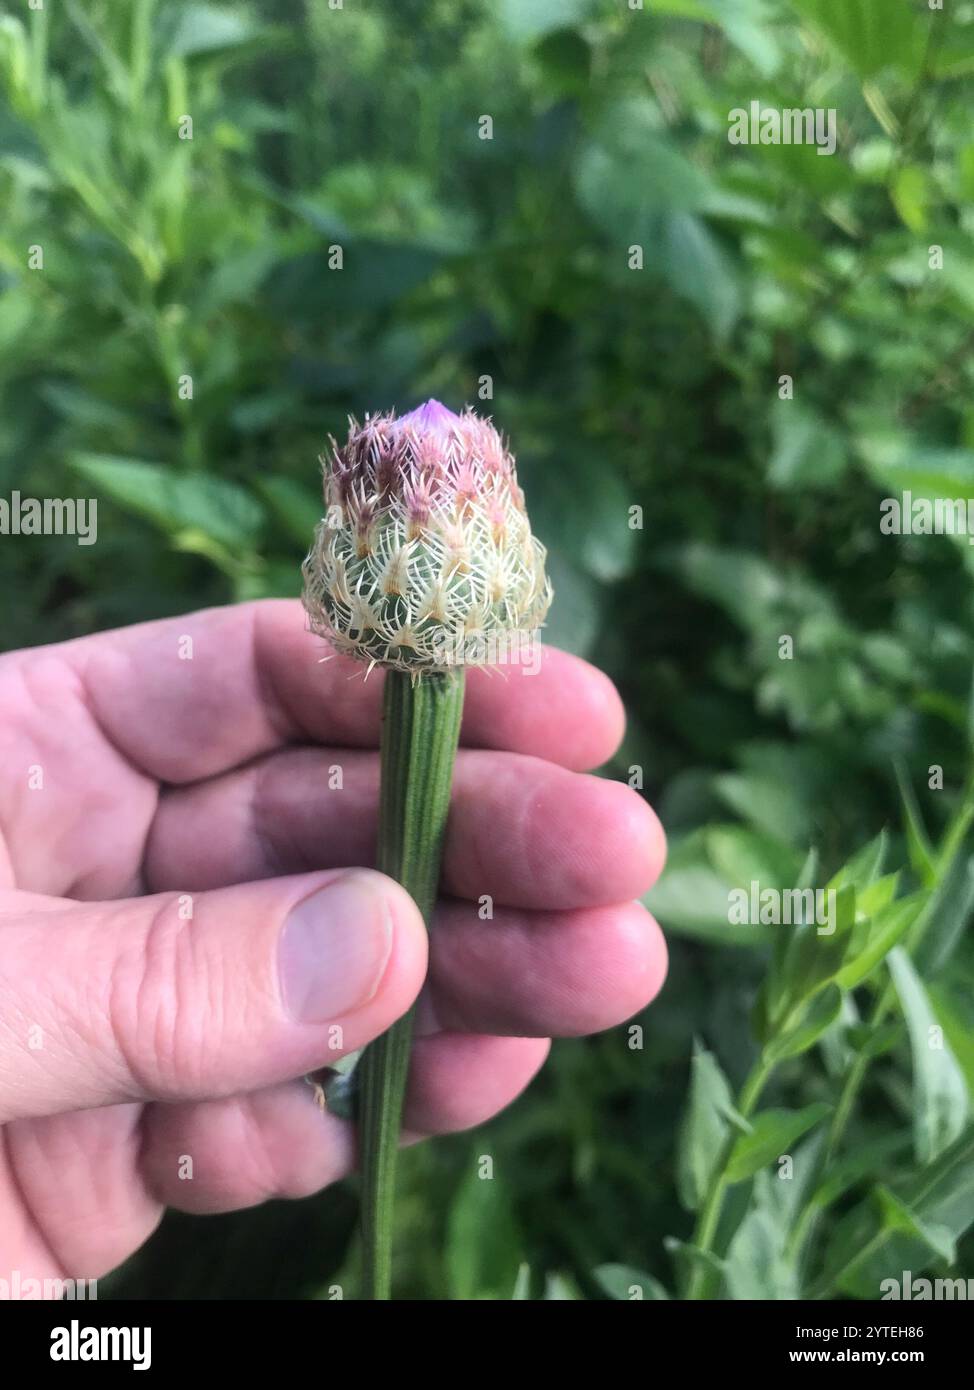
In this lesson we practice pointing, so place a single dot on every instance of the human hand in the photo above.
(180, 939)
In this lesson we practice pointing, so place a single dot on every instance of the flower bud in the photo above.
(425, 558)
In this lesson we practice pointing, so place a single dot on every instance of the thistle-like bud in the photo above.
(425, 558)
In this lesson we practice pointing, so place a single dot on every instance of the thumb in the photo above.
(185, 997)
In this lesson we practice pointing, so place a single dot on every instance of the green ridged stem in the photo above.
(420, 732)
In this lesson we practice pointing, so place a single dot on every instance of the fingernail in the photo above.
(334, 948)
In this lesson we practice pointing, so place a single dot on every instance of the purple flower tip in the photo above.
(431, 418)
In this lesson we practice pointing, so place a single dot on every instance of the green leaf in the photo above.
(915, 466)
(177, 502)
(527, 20)
(953, 56)
(743, 856)
(206, 29)
(297, 508)
(522, 1284)
(626, 1284)
(850, 1169)
(691, 897)
(743, 584)
(629, 171)
(374, 275)
(695, 263)
(703, 1130)
(876, 896)
(687, 1256)
(560, 1288)
(275, 579)
(911, 192)
(930, 475)
(883, 932)
(774, 979)
(684, 9)
(788, 1190)
(694, 892)
(872, 1040)
(757, 1265)
(805, 959)
(807, 453)
(918, 842)
(236, 278)
(911, 1228)
(865, 866)
(115, 71)
(565, 58)
(636, 184)
(954, 1008)
(691, 900)
(944, 1195)
(482, 1254)
(772, 1134)
(260, 412)
(816, 952)
(84, 409)
(811, 1025)
(940, 1099)
(946, 916)
(771, 807)
(808, 872)
(898, 1217)
(869, 34)
(749, 25)
(591, 524)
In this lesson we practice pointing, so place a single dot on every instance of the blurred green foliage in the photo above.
(313, 127)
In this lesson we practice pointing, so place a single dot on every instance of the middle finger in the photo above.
(522, 832)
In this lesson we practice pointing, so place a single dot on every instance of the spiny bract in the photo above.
(425, 557)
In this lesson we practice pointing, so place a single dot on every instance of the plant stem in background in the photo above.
(700, 1283)
(939, 864)
(420, 732)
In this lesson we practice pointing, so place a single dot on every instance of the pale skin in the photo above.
(159, 818)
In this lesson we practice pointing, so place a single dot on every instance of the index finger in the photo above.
(186, 698)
